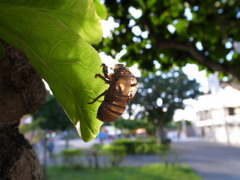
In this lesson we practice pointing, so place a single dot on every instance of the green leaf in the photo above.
(101, 9)
(150, 3)
(181, 26)
(62, 58)
(79, 16)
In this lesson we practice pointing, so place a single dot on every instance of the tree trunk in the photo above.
(160, 132)
(21, 92)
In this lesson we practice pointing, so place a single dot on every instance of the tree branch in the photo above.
(198, 56)
(191, 49)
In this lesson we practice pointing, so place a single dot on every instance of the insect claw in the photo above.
(103, 78)
(94, 100)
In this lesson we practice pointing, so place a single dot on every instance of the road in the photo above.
(210, 160)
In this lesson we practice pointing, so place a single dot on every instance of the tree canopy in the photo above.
(176, 33)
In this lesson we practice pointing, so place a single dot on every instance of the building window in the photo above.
(231, 111)
(204, 115)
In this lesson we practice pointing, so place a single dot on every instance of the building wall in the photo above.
(215, 116)
(220, 125)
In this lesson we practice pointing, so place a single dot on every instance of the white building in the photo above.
(218, 116)
(215, 116)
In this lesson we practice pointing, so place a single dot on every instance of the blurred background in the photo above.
(185, 55)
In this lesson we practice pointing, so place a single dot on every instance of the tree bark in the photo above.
(160, 132)
(21, 92)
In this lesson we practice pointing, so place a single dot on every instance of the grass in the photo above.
(147, 172)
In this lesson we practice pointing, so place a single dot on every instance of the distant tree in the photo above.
(51, 116)
(160, 95)
(176, 33)
(128, 124)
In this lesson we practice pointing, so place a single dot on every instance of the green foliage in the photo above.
(69, 155)
(51, 116)
(92, 155)
(137, 146)
(211, 23)
(159, 95)
(94, 150)
(71, 152)
(53, 35)
(171, 89)
(127, 124)
(145, 148)
(149, 172)
(129, 144)
(116, 153)
(163, 151)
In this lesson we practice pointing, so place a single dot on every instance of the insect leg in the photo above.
(105, 70)
(97, 98)
(103, 78)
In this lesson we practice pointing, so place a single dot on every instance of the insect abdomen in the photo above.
(108, 112)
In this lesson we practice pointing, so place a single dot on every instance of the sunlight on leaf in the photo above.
(62, 58)
(80, 16)
(101, 9)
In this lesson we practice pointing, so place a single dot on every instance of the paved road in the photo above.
(211, 161)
